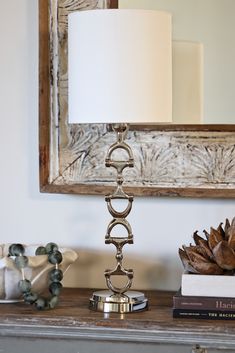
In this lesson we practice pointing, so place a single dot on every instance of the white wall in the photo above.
(211, 22)
(160, 225)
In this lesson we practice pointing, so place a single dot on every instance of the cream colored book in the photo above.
(208, 286)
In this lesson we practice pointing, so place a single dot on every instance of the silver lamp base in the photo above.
(108, 302)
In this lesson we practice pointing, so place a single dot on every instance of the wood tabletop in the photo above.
(72, 319)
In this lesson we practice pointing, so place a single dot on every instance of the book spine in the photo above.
(204, 314)
(203, 303)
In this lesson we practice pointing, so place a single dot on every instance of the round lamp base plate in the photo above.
(109, 302)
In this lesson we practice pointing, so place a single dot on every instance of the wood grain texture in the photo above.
(180, 160)
(44, 90)
(72, 320)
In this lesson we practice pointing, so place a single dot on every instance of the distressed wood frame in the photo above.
(171, 160)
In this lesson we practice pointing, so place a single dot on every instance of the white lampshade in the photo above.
(120, 66)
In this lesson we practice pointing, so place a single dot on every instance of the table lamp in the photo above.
(119, 72)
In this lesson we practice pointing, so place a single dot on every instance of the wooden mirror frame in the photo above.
(171, 160)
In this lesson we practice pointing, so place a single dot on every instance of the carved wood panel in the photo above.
(193, 161)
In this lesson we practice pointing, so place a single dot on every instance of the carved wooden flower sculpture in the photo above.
(214, 255)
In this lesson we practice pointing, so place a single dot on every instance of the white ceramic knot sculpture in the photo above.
(36, 271)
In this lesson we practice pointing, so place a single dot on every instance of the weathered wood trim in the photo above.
(67, 152)
(72, 320)
(109, 334)
(113, 4)
(84, 189)
(189, 127)
(44, 93)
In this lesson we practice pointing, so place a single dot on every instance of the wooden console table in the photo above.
(73, 328)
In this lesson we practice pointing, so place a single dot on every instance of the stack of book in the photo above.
(217, 308)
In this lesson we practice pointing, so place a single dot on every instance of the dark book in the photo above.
(203, 303)
(203, 314)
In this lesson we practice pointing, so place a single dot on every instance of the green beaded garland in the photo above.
(16, 250)
(55, 288)
(55, 257)
(55, 276)
(41, 303)
(41, 250)
(30, 297)
(24, 285)
(53, 301)
(21, 261)
(51, 247)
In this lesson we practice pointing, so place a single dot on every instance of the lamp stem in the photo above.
(119, 218)
(119, 299)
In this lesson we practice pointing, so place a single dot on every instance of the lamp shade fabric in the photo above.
(119, 66)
